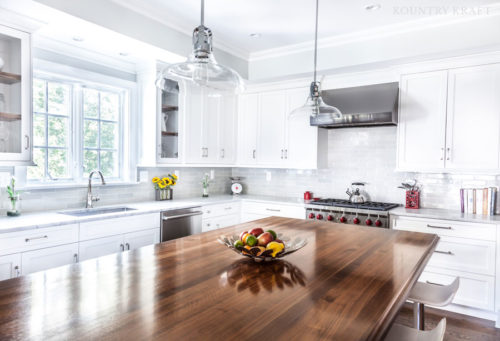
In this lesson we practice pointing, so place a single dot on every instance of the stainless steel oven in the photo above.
(182, 222)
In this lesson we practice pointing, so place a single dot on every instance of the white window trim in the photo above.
(128, 139)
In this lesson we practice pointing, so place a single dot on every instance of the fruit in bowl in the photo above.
(262, 245)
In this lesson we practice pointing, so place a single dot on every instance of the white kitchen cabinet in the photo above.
(43, 259)
(248, 113)
(217, 216)
(117, 226)
(101, 247)
(227, 124)
(265, 209)
(15, 105)
(139, 239)
(473, 119)
(10, 266)
(422, 120)
(271, 128)
(195, 141)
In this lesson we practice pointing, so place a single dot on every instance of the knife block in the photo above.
(412, 199)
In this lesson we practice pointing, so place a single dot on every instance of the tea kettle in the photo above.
(354, 193)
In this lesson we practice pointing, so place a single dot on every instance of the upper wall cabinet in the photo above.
(268, 138)
(450, 120)
(169, 122)
(15, 97)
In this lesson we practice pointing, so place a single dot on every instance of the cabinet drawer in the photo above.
(476, 291)
(269, 209)
(216, 210)
(220, 222)
(474, 256)
(52, 257)
(38, 238)
(447, 228)
(111, 227)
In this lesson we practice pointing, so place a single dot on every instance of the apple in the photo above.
(242, 234)
(257, 231)
(265, 238)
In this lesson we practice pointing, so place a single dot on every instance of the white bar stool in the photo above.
(430, 294)
(403, 333)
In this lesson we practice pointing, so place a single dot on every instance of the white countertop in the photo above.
(436, 213)
(29, 221)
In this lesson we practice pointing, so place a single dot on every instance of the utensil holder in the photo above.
(412, 199)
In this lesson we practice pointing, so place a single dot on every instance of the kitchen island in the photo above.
(347, 283)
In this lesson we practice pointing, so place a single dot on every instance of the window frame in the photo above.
(80, 79)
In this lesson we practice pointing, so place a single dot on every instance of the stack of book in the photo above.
(479, 200)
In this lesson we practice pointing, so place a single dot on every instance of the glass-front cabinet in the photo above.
(168, 122)
(15, 97)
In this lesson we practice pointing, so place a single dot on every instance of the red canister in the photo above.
(308, 195)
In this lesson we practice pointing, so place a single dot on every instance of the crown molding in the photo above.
(376, 33)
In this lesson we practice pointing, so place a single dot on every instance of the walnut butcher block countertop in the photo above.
(347, 283)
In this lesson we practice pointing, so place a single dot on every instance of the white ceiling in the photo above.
(289, 22)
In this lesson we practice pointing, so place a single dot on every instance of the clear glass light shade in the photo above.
(316, 107)
(203, 72)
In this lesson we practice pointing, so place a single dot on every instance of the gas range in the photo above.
(343, 211)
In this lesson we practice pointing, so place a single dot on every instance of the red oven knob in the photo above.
(355, 220)
(343, 219)
(319, 216)
(311, 215)
(368, 222)
(378, 223)
(329, 218)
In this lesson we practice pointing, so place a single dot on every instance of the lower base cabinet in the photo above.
(10, 266)
(139, 239)
(220, 222)
(43, 259)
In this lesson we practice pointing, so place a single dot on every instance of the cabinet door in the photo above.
(271, 131)
(10, 266)
(15, 102)
(52, 257)
(248, 113)
(227, 130)
(422, 119)
(301, 150)
(139, 239)
(168, 122)
(101, 247)
(195, 151)
(210, 126)
(473, 120)
(225, 221)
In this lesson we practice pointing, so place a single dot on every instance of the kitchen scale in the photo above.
(236, 186)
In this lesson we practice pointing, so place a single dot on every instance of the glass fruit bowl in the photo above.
(257, 254)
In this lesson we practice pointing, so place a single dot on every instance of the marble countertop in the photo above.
(436, 213)
(34, 220)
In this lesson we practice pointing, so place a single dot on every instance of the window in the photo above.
(77, 128)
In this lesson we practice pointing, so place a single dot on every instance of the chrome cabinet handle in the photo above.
(442, 154)
(122, 247)
(27, 142)
(448, 150)
(440, 227)
(444, 252)
(429, 282)
(75, 256)
(222, 153)
(34, 238)
(18, 273)
(273, 210)
(253, 154)
(286, 153)
(282, 153)
(127, 245)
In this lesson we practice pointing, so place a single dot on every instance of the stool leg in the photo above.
(418, 315)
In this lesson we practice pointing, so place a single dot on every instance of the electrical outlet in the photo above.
(212, 174)
(268, 176)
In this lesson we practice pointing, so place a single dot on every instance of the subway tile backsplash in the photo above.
(354, 154)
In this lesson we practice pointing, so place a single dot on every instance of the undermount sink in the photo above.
(96, 211)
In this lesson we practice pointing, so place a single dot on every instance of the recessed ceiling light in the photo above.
(124, 54)
(373, 7)
(78, 39)
(255, 35)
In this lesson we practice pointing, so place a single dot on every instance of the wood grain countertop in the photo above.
(347, 283)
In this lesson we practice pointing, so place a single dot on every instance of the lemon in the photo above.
(276, 247)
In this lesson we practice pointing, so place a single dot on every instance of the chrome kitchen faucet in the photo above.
(90, 197)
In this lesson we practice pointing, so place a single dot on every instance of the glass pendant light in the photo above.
(201, 67)
(314, 106)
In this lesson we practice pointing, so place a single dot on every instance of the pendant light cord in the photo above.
(315, 41)
(202, 12)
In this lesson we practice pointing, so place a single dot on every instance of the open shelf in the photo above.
(169, 133)
(9, 117)
(167, 108)
(9, 78)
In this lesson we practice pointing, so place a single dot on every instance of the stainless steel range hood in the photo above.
(363, 106)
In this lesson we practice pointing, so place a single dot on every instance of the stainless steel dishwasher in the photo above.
(180, 223)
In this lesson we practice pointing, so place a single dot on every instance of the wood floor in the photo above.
(458, 327)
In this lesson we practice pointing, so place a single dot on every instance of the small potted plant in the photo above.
(205, 183)
(163, 187)
(14, 198)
